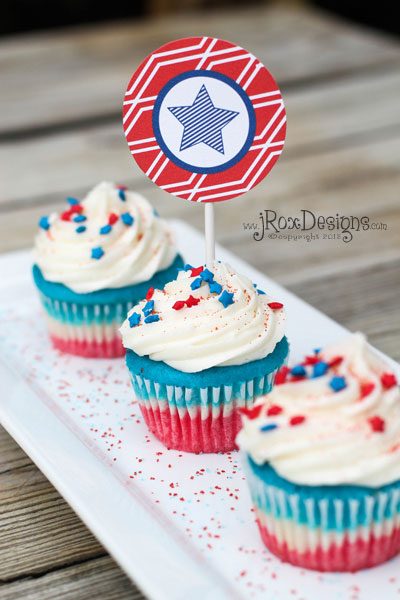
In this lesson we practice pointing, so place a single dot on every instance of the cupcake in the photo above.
(94, 262)
(199, 350)
(323, 460)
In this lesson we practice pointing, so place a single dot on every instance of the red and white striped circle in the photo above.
(204, 119)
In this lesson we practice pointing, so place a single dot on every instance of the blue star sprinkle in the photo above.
(72, 201)
(338, 383)
(152, 319)
(226, 298)
(298, 371)
(260, 292)
(97, 252)
(44, 223)
(121, 194)
(105, 229)
(268, 427)
(206, 275)
(148, 307)
(79, 219)
(317, 350)
(134, 319)
(188, 267)
(196, 283)
(215, 287)
(80, 229)
(127, 219)
(320, 368)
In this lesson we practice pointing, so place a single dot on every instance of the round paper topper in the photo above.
(204, 119)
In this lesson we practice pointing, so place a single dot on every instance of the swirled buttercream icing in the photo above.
(112, 239)
(333, 419)
(207, 317)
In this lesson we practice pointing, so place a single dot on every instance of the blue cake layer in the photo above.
(210, 396)
(76, 315)
(373, 504)
(129, 293)
(160, 372)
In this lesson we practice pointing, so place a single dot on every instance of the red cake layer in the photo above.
(348, 556)
(193, 434)
(105, 349)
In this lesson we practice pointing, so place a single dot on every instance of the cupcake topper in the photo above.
(205, 120)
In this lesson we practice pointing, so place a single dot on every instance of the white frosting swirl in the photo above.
(132, 254)
(207, 335)
(351, 436)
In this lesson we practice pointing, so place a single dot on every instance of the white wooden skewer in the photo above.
(209, 233)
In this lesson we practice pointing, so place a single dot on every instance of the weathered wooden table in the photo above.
(60, 133)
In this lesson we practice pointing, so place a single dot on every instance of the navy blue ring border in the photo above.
(215, 75)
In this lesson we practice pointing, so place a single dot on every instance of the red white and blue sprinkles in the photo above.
(74, 214)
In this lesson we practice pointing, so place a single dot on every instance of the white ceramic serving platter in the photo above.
(180, 525)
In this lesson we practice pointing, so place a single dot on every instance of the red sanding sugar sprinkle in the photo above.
(388, 380)
(281, 375)
(297, 420)
(251, 413)
(335, 362)
(366, 389)
(192, 301)
(275, 305)
(274, 410)
(66, 215)
(150, 293)
(112, 219)
(179, 304)
(377, 424)
(196, 271)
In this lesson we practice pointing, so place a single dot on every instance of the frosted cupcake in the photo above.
(323, 458)
(199, 350)
(94, 262)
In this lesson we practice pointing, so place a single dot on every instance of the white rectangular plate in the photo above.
(180, 525)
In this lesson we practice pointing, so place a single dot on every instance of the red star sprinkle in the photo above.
(388, 380)
(76, 208)
(179, 304)
(195, 272)
(191, 301)
(281, 375)
(150, 293)
(366, 389)
(251, 413)
(66, 215)
(274, 410)
(377, 424)
(275, 305)
(112, 219)
(336, 361)
(311, 360)
(297, 420)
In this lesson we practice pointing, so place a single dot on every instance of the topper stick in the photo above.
(209, 233)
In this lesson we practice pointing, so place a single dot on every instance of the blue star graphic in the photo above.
(203, 122)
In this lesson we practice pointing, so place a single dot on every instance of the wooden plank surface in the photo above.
(82, 75)
(60, 133)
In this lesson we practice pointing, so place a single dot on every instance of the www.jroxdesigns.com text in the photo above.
(309, 226)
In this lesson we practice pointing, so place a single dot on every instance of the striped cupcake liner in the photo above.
(89, 330)
(195, 419)
(346, 533)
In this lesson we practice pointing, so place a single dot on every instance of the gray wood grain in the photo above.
(82, 74)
